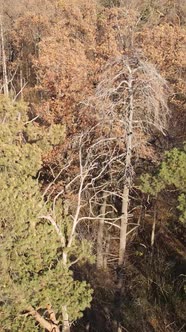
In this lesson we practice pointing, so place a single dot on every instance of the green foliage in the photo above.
(172, 172)
(182, 207)
(32, 270)
(46, 138)
(151, 185)
(173, 169)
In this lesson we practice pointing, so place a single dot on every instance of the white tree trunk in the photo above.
(128, 174)
(100, 236)
(21, 84)
(153, 227)
(50, 327)
(5, 77)
(124, 222)
(66, 324)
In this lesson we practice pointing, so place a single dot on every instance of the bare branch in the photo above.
(52, 221)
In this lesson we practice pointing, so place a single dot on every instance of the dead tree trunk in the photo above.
(50, 327)
(107, 247)
(132, 97)
(66, 324)
(128, 174)
(100, 236)
(5, 77)
(153, 226)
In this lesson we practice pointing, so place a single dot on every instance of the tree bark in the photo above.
(21, 84)
(153, 227)
(100, 236)
(124, 222)
(107, 247)
(50, 327)
(66, 324)
(5, 78)
(128, 175)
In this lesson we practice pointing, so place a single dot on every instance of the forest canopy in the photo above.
(92, 165)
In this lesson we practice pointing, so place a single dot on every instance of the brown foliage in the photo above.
(164, 45)
(78, 46)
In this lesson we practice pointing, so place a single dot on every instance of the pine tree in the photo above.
(35, 282)
(171, 172)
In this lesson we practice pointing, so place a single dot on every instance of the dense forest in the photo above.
(92, 165)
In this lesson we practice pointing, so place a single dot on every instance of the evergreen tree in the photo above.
(171, 172)
(35, 282)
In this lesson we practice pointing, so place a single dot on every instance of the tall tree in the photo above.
(37, 285)
(133, 97)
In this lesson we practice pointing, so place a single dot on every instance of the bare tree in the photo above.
(133, 97)
(130, 101)
(82, 180)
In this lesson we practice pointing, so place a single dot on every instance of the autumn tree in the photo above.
(70, 186)
(71, 56)
(164, 46)
(133, 97)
